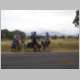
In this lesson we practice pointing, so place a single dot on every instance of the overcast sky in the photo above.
(39, 20)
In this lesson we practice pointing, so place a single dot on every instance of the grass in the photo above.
(66, 44)
(56, 45)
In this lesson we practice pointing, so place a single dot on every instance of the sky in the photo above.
(39, 20)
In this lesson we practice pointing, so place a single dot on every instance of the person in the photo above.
(34, 41)
(14, 45)
(16, 42)
(34, 38)
(18, 39)
(45, 43)
(47, 36)
(47, 39)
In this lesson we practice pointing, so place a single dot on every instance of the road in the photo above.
(48, 60)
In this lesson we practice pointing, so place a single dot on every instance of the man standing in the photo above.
(34, 40)
(16, 42)
(46, 41)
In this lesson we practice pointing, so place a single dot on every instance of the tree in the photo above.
(6, 34)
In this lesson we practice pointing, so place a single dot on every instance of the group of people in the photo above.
(44, 43)
(18, 41)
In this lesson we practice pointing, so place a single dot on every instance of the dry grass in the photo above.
(56, 45)
(64, 44)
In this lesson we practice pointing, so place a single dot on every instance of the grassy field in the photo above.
(65, 44)
(56, 45)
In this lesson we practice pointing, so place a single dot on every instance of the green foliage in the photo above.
(6, 34)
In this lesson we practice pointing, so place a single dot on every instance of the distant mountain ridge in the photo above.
(42, 33)
(52, 33)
